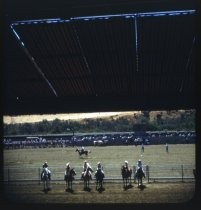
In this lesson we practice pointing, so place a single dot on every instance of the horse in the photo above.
(99, 175)
(82, 152)
(45, 178)
(87, 177)
(69, 177)
(139, 174)
(126, 175)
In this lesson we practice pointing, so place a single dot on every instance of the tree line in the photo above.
(142, 122)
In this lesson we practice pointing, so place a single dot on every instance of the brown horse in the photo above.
(126, 175)
(69, 177)
(99, 175)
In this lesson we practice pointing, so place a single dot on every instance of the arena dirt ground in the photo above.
(113, 193)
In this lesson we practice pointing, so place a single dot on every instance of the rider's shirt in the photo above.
(85, 166)
(67, 170)
(139, 165)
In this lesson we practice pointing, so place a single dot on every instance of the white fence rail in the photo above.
(168, 172)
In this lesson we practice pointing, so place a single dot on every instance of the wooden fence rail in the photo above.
(170, 172)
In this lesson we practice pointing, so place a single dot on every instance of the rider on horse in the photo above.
(46, 170)
(82, 149)
(126, 168)
(99, 167)
(139, 165)
(85, 166)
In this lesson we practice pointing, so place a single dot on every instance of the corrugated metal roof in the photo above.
(146, 58)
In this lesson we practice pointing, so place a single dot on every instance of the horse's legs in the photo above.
(85, 184)
(101, 184)
(43, 184)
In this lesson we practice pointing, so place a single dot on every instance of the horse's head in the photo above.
(72, 172)
(89, 169)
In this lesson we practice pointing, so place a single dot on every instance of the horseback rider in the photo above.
(82, 149)
(125, 168)
(85, 166)
(46, 170)
(139, 165)
(99, 167)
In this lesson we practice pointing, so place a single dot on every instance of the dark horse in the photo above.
(126, 175)
(82, 152)
(45, 178)
(87, 177)
(69, 177)
(99, 175)
(139, 175)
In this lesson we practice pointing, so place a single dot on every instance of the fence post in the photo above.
(39, 175)
(182, 173)
(147, 172)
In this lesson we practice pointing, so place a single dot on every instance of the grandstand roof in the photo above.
(103, 56)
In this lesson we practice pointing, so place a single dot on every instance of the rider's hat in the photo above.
(85, 161)
(126, 161)
(67, 164)
(98, 163)
(139, 160)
